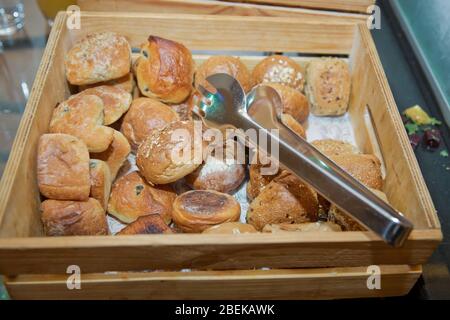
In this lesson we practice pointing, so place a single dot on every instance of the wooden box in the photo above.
(335, 264)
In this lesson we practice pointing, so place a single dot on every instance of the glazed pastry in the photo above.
(101, 181)
(171, 153)
(293, 124)
(197, 210)
(131, 197)
(125, 83)
(115, 101)
(98, 57)
(279, 69)
(231, 228)
(293, 102)
(83, 117)
(145, 115)
(63, 167)
(319, 226)
(224, 64)
(149, 224)
(328, 86)
(116, 154)
(73, 218)
(164, 70)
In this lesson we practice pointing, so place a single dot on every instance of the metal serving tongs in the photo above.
(229, 106)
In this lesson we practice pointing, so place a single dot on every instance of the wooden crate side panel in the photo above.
(330, 283)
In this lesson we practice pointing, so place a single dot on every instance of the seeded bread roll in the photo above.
(83, 117)
(131, 197)
(63, 167)
(164, 70)
(293, 124)
(149, 224)
(125, 83)
(231, 228)
(101, 181)
(98, 57)
(293, 102)
(279, 69)
(319, 226)
(224, 64)
(171, 153)
(144, 116)
(328, 86)
(73, 218)
(116, 154)
(197, 210)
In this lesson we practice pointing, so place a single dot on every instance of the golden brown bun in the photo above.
(279, 69)
(165, 70)
(231, 228)
(302, 227)
(116, 154)
(224, 64)
(101, 181)
(145, 115)
(125, 83)
(197, 210)
(293, 102)
(115, 101)
(63, 167)
(330, 147)
(131, 197)
(328, 86)
(285, 200)
(73, 218)
(149, 224)
(293, 124)
(83, 116)
(98, 57)
(160, 158)
(185, 109)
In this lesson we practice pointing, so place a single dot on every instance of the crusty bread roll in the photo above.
(101, 181)
(330, 147)
(293, 124)
(131, 197)
(125, 83)
(320, 226)
(164, 70)
(328, 86)
(115, 101)
(196, 210)
(63, 167)
(257, 181)
(171, 153)
(98, 57)
(224, 64)
(279, 69)
(83, 117)
(293, 101)
(149, 224)
(231, 228)
(73, 218)
(185, 109)
(116, 154)
(145, 115)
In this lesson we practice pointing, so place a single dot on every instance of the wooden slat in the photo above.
(329, 283)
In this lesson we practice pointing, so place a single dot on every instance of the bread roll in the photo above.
(319, 226)
(63, 167)
(171, 153)
(116, 154)
(165, 70)
(145, 115)
(293, 124)
(149, 224)
(98, 57)
(131, 197)
(328, 86)
(293, 102)
(115, 101)
(185, 109)
(231, 228)
(330, 147)
(257, 181)
(73, 218)
(279, 69)
(101, 181)
(125, 83)
(197, 210)
(224, 64)
(83, 117)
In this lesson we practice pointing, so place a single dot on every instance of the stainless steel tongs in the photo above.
(229, 106)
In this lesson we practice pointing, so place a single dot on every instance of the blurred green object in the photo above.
(3, 293)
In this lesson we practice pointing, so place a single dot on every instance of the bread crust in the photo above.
(231, 228)
(63, 167)
(165, 70)
(125, 83)
(318, 226)
(293, 102)
(98, 57)
(100, 177)
(293, 124)
(149, 224)
(73, 218)
(331, 148)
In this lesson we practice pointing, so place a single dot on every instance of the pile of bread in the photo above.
(127, 106)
